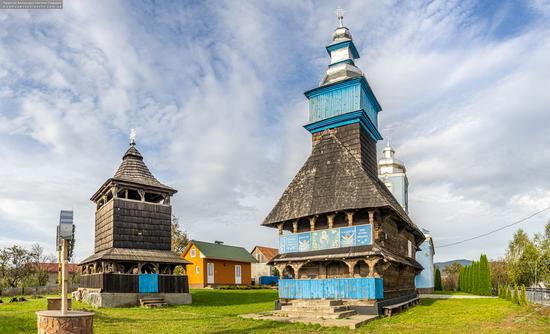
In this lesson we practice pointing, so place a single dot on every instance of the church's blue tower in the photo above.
(344, 96)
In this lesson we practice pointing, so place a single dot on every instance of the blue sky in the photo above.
(215, 91)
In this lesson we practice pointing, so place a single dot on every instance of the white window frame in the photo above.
(197, 269)
(193, 252)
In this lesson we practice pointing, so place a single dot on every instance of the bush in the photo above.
(437, 280)
(515, 297)
(523, 296)
(508, 295)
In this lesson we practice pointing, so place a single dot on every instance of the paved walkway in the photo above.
(351, 322)
(434, 296)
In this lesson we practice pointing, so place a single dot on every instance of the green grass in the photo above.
(459, 293)
(215, 311)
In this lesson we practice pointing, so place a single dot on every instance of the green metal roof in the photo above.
(223, 252)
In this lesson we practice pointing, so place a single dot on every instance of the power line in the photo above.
(498, 229)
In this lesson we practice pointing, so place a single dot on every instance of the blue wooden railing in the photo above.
(332, 288)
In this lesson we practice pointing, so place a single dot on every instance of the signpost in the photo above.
(65, 234)
(63, 320)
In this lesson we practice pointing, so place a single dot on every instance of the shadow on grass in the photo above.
(427, 302)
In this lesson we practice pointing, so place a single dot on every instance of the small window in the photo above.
(410, 248)
(197, 269)
(193, 252)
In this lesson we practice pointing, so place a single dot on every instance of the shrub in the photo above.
(523, 296)
(437, 280)
(515, 297)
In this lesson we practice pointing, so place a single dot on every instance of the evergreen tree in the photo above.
(515, 297)
(437, 280)
(469, 279)
(460, 279)
(485, 288)
(523, 296)
(508, 293)
(475, 278)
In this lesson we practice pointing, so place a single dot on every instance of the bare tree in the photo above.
(38, 258)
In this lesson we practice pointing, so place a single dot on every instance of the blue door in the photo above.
(148, 283)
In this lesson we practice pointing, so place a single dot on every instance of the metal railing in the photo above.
(538, 296)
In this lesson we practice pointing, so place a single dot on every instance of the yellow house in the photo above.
(214, 264)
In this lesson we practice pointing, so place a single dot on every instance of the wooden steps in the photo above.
(388, 310)
(150, 302)
(317, 308)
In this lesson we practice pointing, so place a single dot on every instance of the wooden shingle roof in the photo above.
(136, 255)
(133, 169)
(333, 179)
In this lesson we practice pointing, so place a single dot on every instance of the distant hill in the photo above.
(443, 265)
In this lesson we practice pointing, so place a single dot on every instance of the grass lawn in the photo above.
(459, 293)
(215, 311)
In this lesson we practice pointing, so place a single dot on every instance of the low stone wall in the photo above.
(53, 322)
(110, 299)
(37, 290)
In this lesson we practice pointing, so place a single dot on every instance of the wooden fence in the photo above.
(129, 283)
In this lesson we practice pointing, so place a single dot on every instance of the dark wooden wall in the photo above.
(127, 283)
(141, 225)
(104, 227)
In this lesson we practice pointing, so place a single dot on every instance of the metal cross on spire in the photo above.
(340, 16)
(133, 137)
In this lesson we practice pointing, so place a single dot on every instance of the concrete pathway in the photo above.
(351, 322)
(434, 296)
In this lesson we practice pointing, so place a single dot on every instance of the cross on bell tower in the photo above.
(340, 16)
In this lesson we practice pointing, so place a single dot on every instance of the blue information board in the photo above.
(364, 234)
(348, 236)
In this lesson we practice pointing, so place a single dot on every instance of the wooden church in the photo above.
(342, 234)
(132, 257)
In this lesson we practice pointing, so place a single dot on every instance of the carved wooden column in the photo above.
(296, 267)
(351, 266)
(312, 221)
(280, 228)
(372, 267)
(280, 268)
(349, 217)
(295, 226)
(330, 219)
(371, 217)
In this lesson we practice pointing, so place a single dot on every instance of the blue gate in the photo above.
(148, 283)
